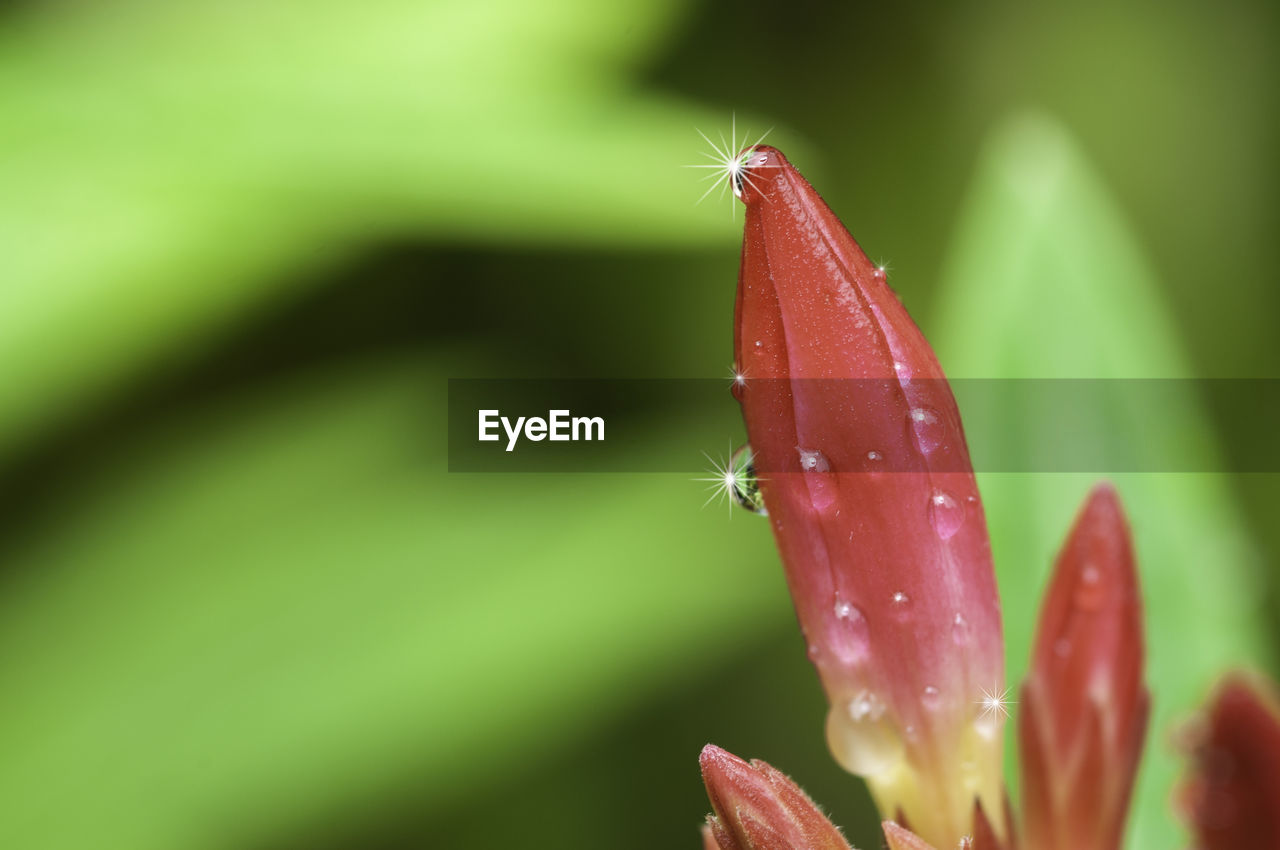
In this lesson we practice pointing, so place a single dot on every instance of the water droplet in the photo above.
(1090, 593)
(849, 638)
(988, 724)
(931, 697)
(903, 371)
(738, 385)
(866, 705)
(874, 456)
(822, 487)
(927, 426)
(992, 711)
(745, 488)
(759, 343)
(812, 460)
(860, 736)
(946, 514)
(814, 652)
(912, 733)
(960, 629)
(901, 605)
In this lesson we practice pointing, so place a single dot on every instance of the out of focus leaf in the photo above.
(167, 167)
(265, 616)
(1045, 280)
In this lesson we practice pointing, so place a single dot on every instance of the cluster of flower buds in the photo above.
(865, 474)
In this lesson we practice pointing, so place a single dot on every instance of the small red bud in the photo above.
(758, 808)
(1084, 708)
(1232, 796)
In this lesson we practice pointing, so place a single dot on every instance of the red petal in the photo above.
(985, 836)
(1232, 797)
(873, 502)
(1037, 775)
(1084, 707)
(709, 838)
(721, 834)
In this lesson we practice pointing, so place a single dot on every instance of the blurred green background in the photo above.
(243, 245)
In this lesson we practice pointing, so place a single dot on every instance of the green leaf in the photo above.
(169, 168)
(271, 614)
(1046, 280)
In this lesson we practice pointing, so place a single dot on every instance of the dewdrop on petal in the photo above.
(735, 481)
(730, 163)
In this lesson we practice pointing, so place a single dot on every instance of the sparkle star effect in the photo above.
(733, 480)
(995, 705)
(737, 377)
(728, 164)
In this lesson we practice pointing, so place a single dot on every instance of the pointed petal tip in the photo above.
(755, 172)
(1103, 505)
(719, 763)
(711, 754)
(1104, 489)
(901, 838)
(772, 151)
(725, 776)
(985, 835)
(1094, 583)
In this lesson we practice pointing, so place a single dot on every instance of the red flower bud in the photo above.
(1083, 707)
(758, 808)
(868, 485)
(1232, 797)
